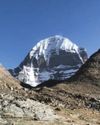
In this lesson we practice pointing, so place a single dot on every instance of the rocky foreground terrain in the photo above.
(72, 102)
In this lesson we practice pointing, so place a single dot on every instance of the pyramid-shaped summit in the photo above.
(90, 71)
(55, 58)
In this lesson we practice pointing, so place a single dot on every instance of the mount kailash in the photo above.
(55, 58)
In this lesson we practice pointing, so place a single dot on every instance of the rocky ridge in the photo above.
(90, 71)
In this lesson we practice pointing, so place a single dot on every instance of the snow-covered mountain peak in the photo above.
(55, 58)
(57, 42)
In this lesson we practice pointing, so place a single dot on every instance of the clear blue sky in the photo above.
(24, 22)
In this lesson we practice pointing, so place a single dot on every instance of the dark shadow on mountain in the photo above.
(26, 85)
(49, 83)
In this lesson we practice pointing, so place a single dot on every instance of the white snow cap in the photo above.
(57, 42)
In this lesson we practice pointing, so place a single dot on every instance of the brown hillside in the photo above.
(7, 81)
(90, 71)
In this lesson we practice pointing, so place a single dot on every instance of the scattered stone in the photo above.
(58, 109)
(13, 111)
(2, 121)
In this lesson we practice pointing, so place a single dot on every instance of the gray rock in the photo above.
(36, 110)
(13, 111)
(28, 108)
(44, 114)
(5, 103)
(3, 121)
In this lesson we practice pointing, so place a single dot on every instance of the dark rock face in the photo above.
(90, 71)
(64, 58)
(54, 58)
(83, 54)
